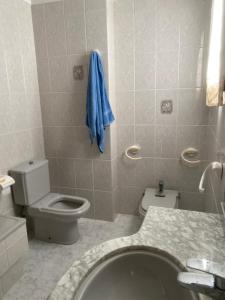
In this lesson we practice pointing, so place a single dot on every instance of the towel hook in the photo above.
(97, 51)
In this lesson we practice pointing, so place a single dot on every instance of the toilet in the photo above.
(54, 216)
(151, 197)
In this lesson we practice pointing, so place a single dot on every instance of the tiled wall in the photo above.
(160, 55)
(65, 32)
(21, 135)
(13, 249)
(152, 51)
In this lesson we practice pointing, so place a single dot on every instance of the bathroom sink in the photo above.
(134, 275)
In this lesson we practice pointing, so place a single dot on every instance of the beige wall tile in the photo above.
(167, 170)
(193, 22)
(59, 74)
(98, 4)
(124, 71)
(73, 7)
(167, 70)
(96, 30)
(191, 201)
(145, 173)
(191, 67)
(167, 28)
(129, 199)
(145, 107)
(145, 29)
(3, 75)
(165, 141)
(102, 175)
(125, 108)
(126, 172)
(125, 138)
(84, 174)
(43, 75)
(65, 169)
(145, 67)
(192, 109)
(104, 206)
(55, 28)
(15, 73)
(75, 33)
(145, 137)
(124, 32)
(142, 5)
(39, 26)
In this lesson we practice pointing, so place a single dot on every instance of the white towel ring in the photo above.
(134, 150)
(191, 153)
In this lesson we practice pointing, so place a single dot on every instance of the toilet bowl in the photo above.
(61, 207)
(150, 198)
(54, 216)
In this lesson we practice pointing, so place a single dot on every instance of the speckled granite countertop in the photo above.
(181, 234)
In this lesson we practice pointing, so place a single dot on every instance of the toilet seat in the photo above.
(72, 207)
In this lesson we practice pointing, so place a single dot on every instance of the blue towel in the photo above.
(99, 113)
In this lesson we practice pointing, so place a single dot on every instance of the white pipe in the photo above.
(213, 166)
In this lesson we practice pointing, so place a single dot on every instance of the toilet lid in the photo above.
(149, 199)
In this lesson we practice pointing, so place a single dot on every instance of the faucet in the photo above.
(211, 282)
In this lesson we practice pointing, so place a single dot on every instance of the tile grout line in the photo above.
(46, 45)
(134, 73)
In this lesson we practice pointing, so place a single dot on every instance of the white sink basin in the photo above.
(134, 275)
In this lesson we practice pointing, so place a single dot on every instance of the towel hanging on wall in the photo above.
(99, 113)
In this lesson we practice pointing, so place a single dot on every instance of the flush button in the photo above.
(167, 106)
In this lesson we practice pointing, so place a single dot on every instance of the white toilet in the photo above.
(54, 215)
(151, 197)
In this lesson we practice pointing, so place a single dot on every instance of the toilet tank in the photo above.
(31, 182)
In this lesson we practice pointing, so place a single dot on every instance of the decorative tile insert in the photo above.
(78, 73)
(167, 107)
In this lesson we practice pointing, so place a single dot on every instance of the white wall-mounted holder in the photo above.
(212, 166)
(189, 157)
(5, 182)
(97, 51)
(131, 151)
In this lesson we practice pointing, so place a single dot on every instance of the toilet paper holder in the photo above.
(6, 181)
